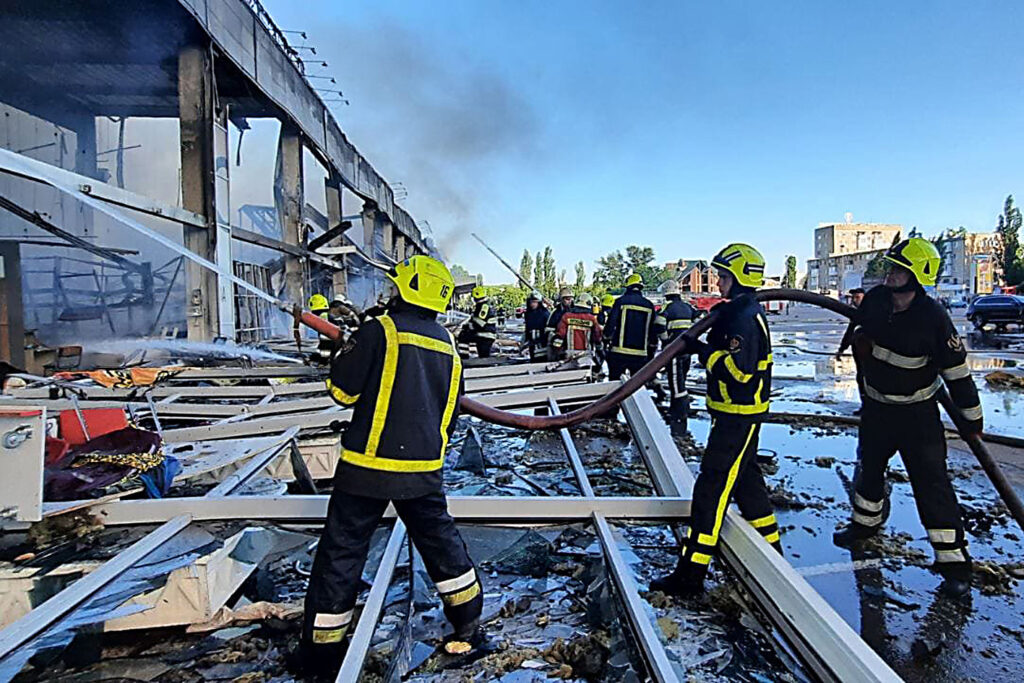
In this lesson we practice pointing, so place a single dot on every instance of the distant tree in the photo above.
(525, 269)
(538, 273)
(1008, 227)
(550, 274)
(581, 276)
(460, 273)
(611, 271)
(789, 279)
(639, 261)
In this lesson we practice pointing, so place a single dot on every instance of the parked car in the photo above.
(996, 309)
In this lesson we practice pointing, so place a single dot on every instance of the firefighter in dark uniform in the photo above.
(318, 305)
(564, 305)
(535, 319)
(402, 376)
(906, 347)
(607, 301)
(738, 360)
(630, 333)
(672, 321)
(482, 328)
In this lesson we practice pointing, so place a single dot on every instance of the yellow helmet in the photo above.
(634, 279)
(318, 302)
(479, 293)
(744, 262)
(919, 256)
(423, 281)
(608, 300)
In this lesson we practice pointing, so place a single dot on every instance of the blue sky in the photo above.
(683, 126)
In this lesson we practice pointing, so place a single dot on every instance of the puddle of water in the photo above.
(891, 600)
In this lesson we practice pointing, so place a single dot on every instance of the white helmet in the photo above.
(671, 287)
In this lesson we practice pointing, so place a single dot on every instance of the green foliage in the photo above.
(550, 283)
(525, 269)
(538, 273)
(460, 273)
(505, 298)
(789, 279)
(1008, 227)
(612, 271)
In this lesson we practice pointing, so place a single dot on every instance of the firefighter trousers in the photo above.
(619, 363)
(679, 399)
(915, 431)
(728, 472)
(338, 566)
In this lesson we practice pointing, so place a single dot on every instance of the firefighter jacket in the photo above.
(402, 375)
(674, 319)
(556, 315)
(579, 330)
(630, 330)
(535, 320)
(905, 357)
(738, 359)
(602, 316)
(484, 322)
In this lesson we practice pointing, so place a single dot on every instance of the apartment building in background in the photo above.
(970, 264)
(842, 252)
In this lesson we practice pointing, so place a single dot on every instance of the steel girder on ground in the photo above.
(49, 612)
(468, 509)
(826, 643)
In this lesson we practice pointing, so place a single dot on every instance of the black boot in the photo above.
(853, 533)
(679, 583)
(956, 579)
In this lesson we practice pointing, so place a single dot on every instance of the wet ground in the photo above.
(807, 378)
(886, 592)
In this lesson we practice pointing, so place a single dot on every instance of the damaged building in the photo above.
(171, 183)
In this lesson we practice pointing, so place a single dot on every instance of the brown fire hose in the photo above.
(610, 400)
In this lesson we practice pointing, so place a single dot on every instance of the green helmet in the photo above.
(744, 263)
(919, 256)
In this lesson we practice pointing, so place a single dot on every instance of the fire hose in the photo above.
(648, 372)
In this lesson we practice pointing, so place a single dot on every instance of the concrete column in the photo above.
(293, 198)
(400, 247)
(389, 236)
(195, 101)
(369, 219)
(332, 187)
(85, 164)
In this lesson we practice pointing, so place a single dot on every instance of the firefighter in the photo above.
(672, 321)
(607, 301)
(578, 330)
(906, 347)
(482, 328)
(535, 319)
(565, 304)
(318, 305)
(738, 359)
(402, 376)
(630, 333)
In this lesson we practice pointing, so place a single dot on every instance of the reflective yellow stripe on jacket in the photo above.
(393, 340)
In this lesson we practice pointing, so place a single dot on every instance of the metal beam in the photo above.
(476, 509)
(355, 655)
(42, 617)
(822, 639)
(626, 586)
(28, 168)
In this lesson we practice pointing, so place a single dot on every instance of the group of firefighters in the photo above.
(401, 374)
